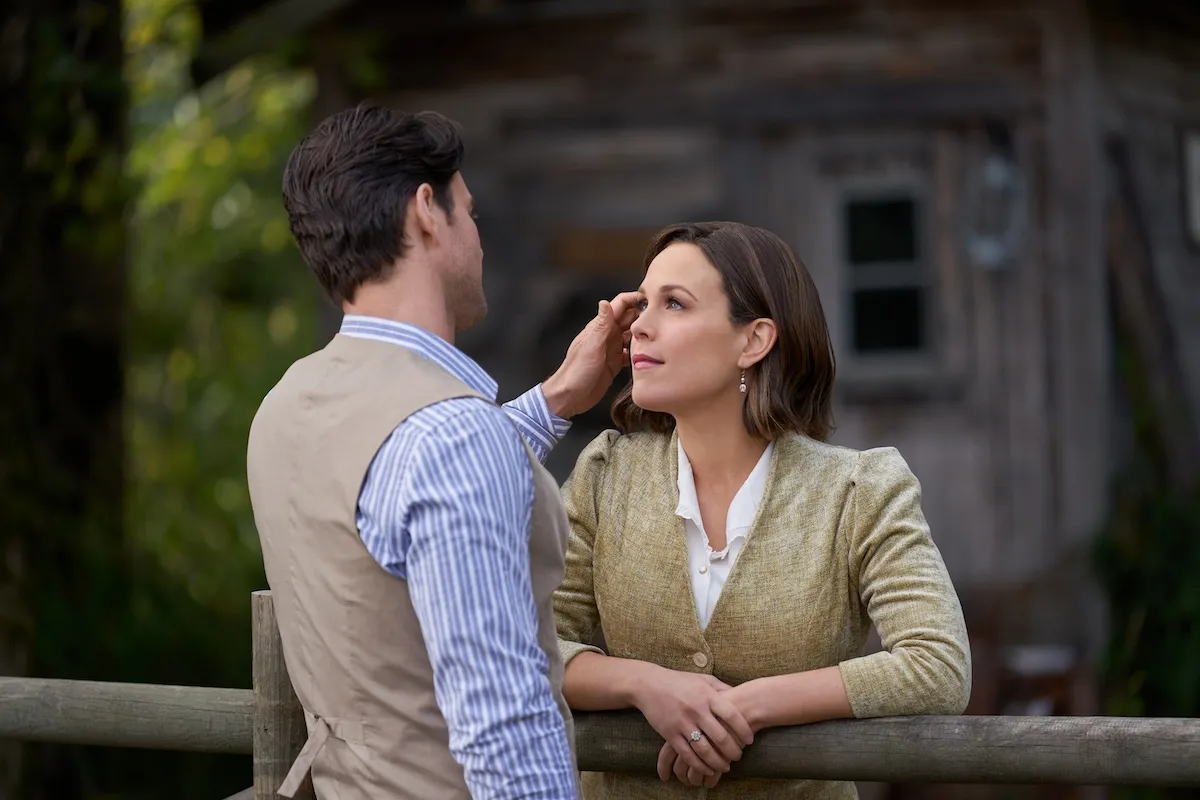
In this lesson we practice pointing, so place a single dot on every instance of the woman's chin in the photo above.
(651, 401)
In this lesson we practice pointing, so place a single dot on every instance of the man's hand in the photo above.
(599, 352)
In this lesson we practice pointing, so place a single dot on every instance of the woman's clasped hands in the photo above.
(680, 705)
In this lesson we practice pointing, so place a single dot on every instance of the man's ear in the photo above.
(761, 337)
(423, 206)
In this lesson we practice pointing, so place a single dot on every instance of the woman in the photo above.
(732, 558)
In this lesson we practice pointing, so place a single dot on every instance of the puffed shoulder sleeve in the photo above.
(575, 601)
(925, 664)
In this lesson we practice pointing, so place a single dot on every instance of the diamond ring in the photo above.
(697, 736)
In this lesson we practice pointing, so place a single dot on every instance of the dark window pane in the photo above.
(889, 320)
(881, 230)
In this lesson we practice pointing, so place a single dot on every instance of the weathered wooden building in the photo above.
(967, 181)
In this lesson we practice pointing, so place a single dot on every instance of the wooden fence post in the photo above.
(279, 728)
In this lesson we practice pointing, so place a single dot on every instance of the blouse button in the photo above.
(703, 568)
(700, 660)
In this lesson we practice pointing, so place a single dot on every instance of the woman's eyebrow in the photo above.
(674, 287)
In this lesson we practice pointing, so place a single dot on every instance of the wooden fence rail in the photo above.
(184, 718)
(267, 723)
(975, 749)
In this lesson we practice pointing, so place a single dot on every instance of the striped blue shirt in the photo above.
(446, 506)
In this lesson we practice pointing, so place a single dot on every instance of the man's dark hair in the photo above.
(346, 187)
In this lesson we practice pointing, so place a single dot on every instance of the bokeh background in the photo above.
(1000, 202)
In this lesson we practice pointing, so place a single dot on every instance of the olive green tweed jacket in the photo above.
(839, 542)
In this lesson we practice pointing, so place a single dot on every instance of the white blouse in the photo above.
(709, 569)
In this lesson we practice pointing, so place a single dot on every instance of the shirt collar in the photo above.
(424, 344)
(745, 503)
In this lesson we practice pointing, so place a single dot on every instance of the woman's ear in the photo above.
(760, 338)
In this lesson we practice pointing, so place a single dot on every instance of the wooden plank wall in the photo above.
(1152, 96)
(1012, 446)
(979, 449)
(1079, 380)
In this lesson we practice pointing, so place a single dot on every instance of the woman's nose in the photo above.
(641, 326)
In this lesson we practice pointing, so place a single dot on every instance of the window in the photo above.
(885, 275)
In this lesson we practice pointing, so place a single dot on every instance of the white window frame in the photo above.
(887, 367)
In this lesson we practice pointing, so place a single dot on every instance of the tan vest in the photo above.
(351, 639)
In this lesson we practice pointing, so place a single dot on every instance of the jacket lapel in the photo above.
(645, 593)
(789, 454)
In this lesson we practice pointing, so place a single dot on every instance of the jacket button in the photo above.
(700, 660)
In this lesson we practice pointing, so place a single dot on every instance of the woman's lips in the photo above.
(644, 362)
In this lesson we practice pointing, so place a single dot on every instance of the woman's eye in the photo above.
(670, 302)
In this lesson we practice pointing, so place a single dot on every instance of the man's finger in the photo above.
(609, 318)
(624, 308)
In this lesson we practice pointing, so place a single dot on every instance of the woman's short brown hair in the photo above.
(791, 388)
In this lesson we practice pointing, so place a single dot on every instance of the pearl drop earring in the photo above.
(742, 387)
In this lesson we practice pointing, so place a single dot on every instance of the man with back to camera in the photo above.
(411, 536)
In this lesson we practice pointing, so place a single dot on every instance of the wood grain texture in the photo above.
(279, 727)
(186, 718)
(968, 749)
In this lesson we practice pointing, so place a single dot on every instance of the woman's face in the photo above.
(684, 350)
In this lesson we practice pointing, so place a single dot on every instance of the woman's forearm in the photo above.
(796, 699)
(595, 682)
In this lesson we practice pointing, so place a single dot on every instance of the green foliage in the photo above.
(221, 302)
